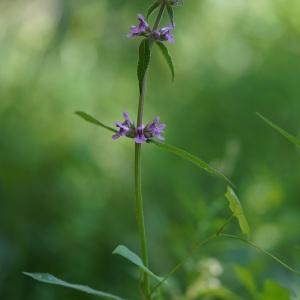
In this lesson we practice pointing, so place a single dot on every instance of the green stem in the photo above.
(138, 178)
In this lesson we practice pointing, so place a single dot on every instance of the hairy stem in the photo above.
(138, 178)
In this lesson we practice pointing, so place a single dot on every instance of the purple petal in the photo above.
(140, 139)
(116, 136)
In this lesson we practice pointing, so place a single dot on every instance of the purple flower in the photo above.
(155, 129)
(140, 134)
(140, 137)
(166, 35)
(125, 129)
(142, 29)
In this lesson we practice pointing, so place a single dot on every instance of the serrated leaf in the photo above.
(191, 158)
(284, 133)
(171, 15)
(144, 60)
(152, 8)
(237, 210)
(50, 279)
(167, 56)
(92, 120)
(135, 259)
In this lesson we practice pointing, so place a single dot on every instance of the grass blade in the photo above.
(284, 133)
(50, 279)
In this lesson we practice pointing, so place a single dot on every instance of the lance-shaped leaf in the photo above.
(167, 56)
(191, 158)
(152, 8)
(171, 14)
(237, 210)
(92, 120)
(135, 259)
(50, 279)
(143, 63)
(284, 133)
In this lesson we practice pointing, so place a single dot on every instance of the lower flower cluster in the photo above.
(140, 134)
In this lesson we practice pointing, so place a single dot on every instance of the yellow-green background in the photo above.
(66, 189)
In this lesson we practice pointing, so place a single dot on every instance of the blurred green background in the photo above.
(66, 188)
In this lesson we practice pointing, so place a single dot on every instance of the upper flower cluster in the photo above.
(143, 29)
(141, 134)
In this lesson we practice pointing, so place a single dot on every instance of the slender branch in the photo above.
(218, 234)
(137, 170)
(181, 263)
(253, 245)
(192, 251)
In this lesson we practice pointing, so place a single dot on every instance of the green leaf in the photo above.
(144, 60)
(284, 133)
(167, 56)
(152, 8)
(92, 120)
(237, 210)
(273, 291)
(50, 279)
(170, 14)
(191, 158)
(246, 278)
(135, 259)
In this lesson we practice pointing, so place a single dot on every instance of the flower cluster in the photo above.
(141, 134)
(143, 29)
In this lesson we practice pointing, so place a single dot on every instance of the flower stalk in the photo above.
(138, 176)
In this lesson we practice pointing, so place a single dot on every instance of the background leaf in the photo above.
(237, 210)
(284, 133)
(191, 158)
(167, 56)
(273, 291)
(135, 259)
(50, 279)
(152, 8)
(143, 63)
(246, 278)
(92, 120)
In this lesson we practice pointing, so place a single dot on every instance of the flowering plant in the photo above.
(152, 133)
